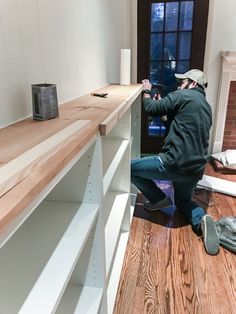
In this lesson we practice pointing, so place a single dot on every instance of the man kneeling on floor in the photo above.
(183, 156)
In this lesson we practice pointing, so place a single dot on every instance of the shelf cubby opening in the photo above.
(85, 287)
(120, 203)
(82, 183)
(34, 244)
(122, 128)
(113, 152)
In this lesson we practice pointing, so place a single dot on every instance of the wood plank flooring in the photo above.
(166, 268)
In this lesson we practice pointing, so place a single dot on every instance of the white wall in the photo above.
(77, 46)
(72, 43)
(119, 34)
(221, 36)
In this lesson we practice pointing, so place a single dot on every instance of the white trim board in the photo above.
(218, 185)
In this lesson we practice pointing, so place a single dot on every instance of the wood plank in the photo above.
(218, 185)
(126, 294)
(17, 199)
(117, 114)
(166, 268)
(17, 169)
(114, 275)
(22, 137)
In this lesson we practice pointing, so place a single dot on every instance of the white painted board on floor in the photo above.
(218, 185)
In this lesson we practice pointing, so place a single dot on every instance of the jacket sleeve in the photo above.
(164, 106)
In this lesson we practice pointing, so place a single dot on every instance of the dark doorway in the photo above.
(171, 39)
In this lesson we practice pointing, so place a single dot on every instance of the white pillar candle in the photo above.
(125, 57)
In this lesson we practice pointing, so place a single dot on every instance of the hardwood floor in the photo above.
(166, 268)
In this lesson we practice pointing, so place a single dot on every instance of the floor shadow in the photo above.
(169, 217)
(203, 197)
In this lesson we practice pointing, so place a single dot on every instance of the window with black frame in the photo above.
(170, 49)
(171, 39)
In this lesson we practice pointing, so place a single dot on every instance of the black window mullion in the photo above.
(177, 46)
(163, 45)
(162, 61)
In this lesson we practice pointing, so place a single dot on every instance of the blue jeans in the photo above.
(145, 170)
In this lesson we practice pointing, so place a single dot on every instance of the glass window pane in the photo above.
(170, 46)
(155, 72)
(186, 15)
(172, 11)
(169, 70)
(182, 66)
(157, 17)
(184, 45)
(156, 46)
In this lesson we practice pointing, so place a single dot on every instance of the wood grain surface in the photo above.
(166, 268)
(27, 177)
(19, 168)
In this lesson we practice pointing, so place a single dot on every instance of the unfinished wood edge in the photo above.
(113, 118)
(107, 124)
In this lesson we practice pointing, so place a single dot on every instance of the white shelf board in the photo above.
(80, 299)
(48, 289)
(108, 204)
(113, 152)
(113, 225)
(116, 271)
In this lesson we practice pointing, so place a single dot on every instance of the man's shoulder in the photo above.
(176, 96)
(181, 93)
(192, 93)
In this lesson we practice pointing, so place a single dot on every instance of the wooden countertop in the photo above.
(34, 152)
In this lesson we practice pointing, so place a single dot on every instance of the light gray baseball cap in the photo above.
(194, 75)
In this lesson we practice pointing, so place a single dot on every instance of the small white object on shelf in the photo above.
(125, 62)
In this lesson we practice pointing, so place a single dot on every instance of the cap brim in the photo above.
(180, 76)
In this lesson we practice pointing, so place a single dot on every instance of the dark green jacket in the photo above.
(186, 146)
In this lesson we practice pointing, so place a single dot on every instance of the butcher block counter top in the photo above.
(34, 152)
